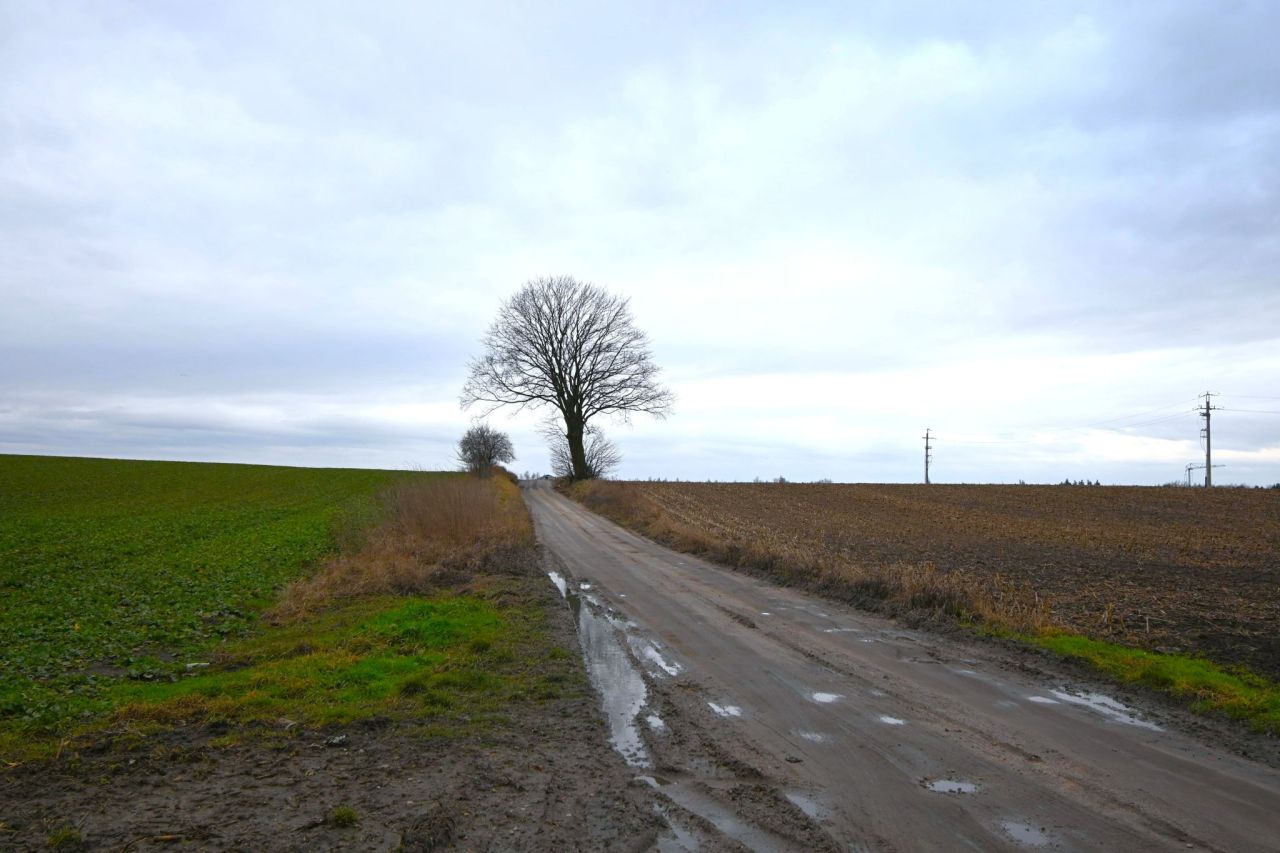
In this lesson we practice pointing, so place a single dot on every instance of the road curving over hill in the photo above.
(770, 719)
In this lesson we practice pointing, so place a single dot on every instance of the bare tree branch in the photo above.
(602, 455)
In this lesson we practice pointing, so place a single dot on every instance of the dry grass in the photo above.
(920, 591)
(433, 534)
(1185, 571)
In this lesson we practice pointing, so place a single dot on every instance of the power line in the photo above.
(1137, 415)
(1163, 420)
(1253, 411)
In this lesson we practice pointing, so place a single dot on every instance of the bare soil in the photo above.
(786, 721)
(1169, 569)
(543, 779)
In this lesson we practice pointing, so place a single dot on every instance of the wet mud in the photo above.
(546, 778)
(708, 799)
(808, 725)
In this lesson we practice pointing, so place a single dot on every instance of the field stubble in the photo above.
(1170, 570)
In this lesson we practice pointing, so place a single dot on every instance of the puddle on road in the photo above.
(813, 737)
(613, 674)
(842, 630)
(891, 721)
(807, 804)
(621, 687)
(1042, 700)
(677, 836)
(826, 698)
(646, 650)
(1107, 707)
(1026, 834)
(692, 799)
(951, 786)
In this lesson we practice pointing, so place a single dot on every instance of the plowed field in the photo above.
(1168, 569)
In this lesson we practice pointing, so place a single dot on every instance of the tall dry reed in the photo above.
(433, 533)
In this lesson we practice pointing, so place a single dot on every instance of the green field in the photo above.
(118, 571)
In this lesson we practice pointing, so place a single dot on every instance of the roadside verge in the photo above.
(421, 688)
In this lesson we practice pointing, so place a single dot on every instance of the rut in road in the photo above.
(770, 719)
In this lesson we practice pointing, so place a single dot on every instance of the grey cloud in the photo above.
(307, 199)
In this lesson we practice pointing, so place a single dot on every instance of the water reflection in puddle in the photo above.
(891, 721)
(826, 698)
(807, 804)
(646, 650)
(1025, 833)
(726, 710)
(951, 786)
(1107, 707)
(677, 836)
(612, 672)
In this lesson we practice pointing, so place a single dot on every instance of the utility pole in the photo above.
(1208, 438)
(927, 456)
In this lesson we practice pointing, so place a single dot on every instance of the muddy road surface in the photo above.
(769, 719)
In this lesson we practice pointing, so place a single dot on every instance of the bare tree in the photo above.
(483, 447)
(570, 345)
(602, 455)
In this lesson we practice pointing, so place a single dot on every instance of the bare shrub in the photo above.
(602, 455)
(482, 448)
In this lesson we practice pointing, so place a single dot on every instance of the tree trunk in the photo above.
(577, 452)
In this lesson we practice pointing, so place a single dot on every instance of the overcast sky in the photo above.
(273, 232)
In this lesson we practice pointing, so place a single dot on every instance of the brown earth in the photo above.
(765, 705)
(1169, 569)
(544, 778)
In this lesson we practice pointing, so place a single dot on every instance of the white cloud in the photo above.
(245, 231)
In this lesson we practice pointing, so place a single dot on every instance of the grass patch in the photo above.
(393, 658)
(429, 613)
(1239, 693)
(343, 816)
(64, 838)
(114, 569)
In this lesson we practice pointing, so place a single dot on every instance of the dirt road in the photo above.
(775, 720)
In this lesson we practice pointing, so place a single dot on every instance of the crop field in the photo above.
(115, 569)
(1166, 569)
(229, 655)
